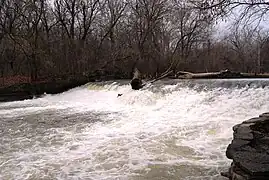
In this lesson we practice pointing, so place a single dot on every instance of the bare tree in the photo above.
(188, 26)
(246, 42)
(247, 11)
(112, 37)
(146, 22)
(23, 29)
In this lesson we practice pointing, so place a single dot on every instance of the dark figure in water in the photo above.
(136, 84)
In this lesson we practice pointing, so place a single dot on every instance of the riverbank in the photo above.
(21, 87)
(14, 91)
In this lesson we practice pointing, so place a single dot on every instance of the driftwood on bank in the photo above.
(217, 75)
(221, 74)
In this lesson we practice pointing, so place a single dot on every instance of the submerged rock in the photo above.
(249, 150)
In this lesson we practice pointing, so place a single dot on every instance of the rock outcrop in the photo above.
(249, 150)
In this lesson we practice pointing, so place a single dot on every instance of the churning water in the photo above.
(172, 130)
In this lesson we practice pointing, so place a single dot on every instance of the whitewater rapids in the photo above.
(170, 130)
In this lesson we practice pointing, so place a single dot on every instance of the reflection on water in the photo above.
(173, 130)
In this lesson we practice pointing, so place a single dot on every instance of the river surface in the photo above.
(172, 130)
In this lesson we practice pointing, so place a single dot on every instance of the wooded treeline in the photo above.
(50, 39)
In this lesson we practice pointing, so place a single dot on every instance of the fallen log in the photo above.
(210, 75)
(161, 77)
(225, 74)
(137, 84)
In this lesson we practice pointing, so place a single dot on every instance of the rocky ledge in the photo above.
(249, 150)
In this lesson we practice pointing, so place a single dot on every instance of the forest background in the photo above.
(44, 40)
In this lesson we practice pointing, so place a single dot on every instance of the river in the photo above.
(174, 129)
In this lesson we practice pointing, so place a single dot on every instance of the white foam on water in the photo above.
(172, 132)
